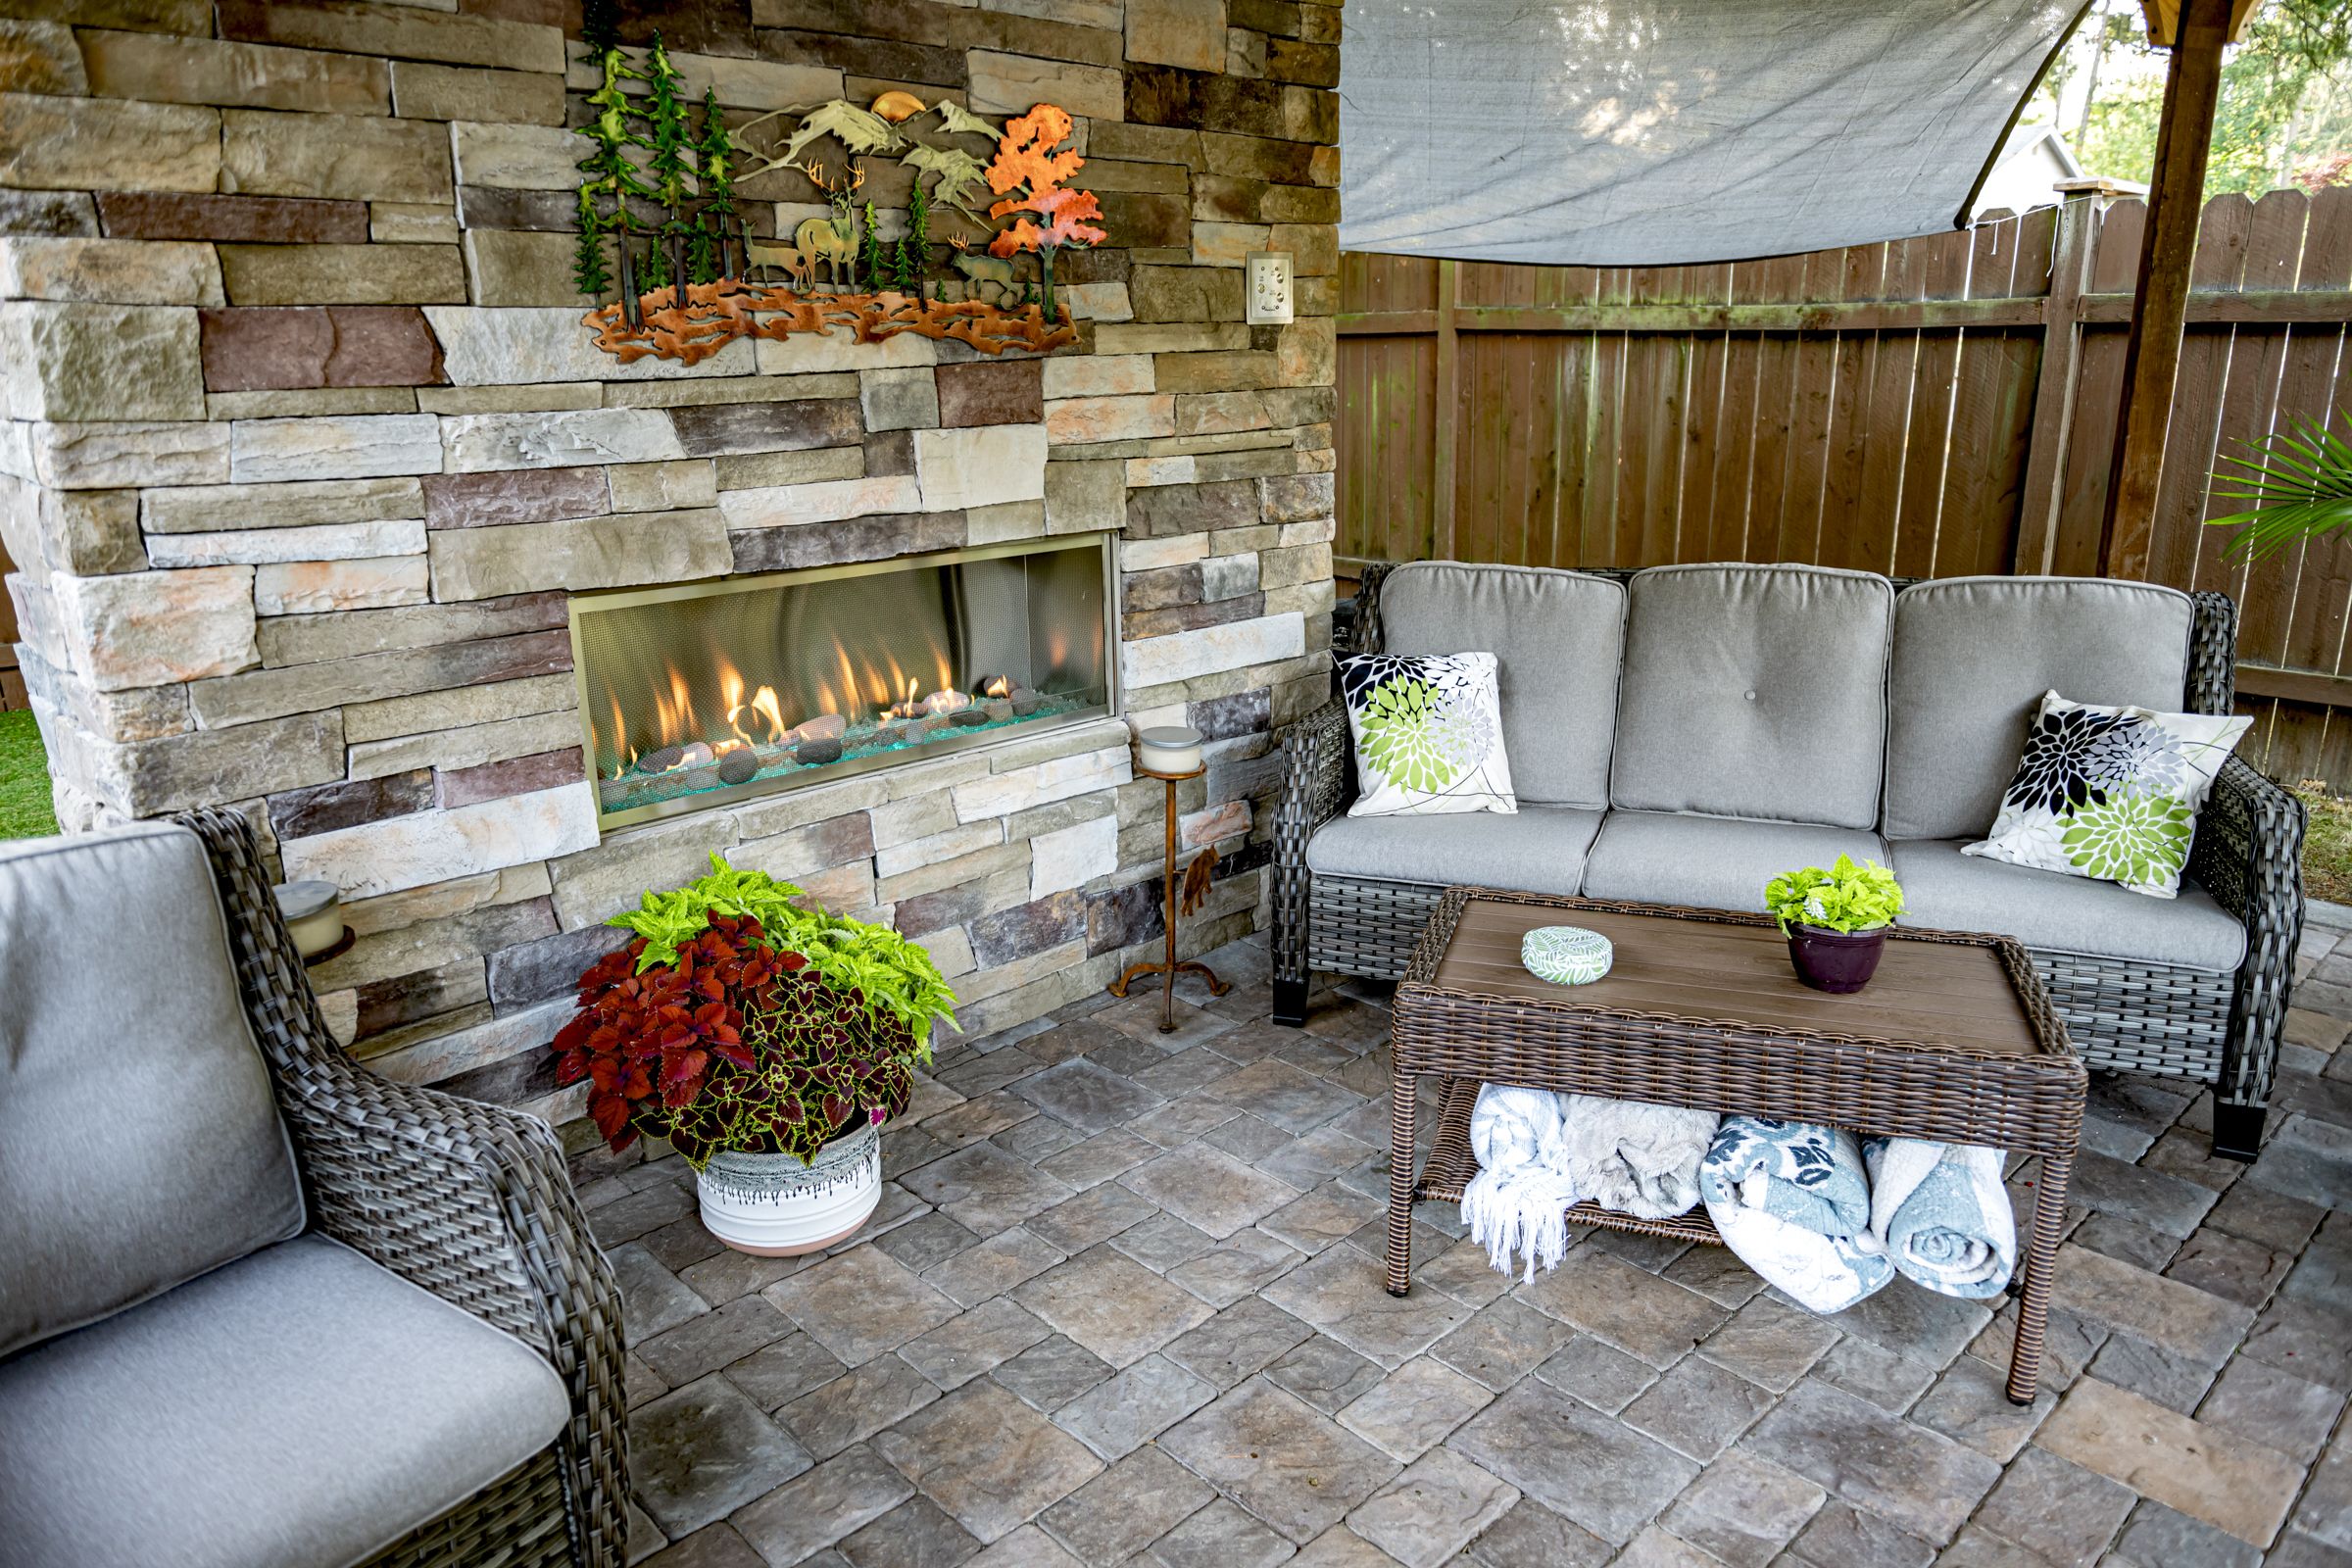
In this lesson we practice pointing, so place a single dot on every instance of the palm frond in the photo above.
(2298, 482)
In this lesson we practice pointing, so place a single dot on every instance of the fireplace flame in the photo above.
(764, 704)
(673, 716)
(998, 686)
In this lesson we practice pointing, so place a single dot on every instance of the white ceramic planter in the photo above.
(772, 1205)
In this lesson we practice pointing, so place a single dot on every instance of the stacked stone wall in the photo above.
(303, 446)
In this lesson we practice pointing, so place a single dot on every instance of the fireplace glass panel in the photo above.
(710, 692)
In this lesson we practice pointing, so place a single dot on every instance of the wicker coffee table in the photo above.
(1953, 1039)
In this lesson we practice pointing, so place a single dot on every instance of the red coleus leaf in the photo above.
(610, 1114)
(791, 960)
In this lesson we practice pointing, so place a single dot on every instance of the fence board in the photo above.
(1928, 406)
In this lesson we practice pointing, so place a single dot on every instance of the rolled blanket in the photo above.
(1634, 1156)
(1519, 1198)
(1791, 1199)
(1942, 1214)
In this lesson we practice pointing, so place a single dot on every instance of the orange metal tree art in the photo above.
(1029, 175)
(692, 322)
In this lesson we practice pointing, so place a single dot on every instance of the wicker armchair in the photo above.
(2218, 1029)
(469, 1201)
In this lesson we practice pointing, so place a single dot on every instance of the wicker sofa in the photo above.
(258, 1308)
(1678, 735)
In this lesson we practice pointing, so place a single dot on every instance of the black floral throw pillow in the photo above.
(2110, 793)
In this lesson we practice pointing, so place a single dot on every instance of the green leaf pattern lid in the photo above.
(1566, 955)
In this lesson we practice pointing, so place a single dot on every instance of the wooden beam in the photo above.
(2310, 686)
(2251, 308)
(1447, 398)
(2159, 299)
(2054, 391)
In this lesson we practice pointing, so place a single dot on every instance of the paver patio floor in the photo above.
(1122, 1302)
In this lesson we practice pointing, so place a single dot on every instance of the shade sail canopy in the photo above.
(1655, 133)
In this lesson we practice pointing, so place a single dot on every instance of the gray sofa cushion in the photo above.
(139, 1145)
(1539, 850)
(1973, 654)
(1954, 892)
(301, 1407)
(1556, 636)
(1755, 692)
(1710, 861)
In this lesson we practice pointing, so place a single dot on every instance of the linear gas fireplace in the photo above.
(706, 693)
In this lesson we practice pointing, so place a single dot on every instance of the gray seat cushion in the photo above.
(1954, 892)
(1555, 637)
(1756, 692)
(1539, 850)
(1973, 654)
(1712, 863)
(139, 1145)
(299, 1407)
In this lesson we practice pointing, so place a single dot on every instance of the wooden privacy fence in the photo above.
(1934, 406)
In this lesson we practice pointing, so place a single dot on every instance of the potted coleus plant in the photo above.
(1836, 920)
(767, 1043)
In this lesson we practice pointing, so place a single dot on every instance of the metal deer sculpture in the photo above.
(832, 240)
(982, 268)
(800, 268)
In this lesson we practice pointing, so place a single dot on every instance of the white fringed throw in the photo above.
(1518, 1200)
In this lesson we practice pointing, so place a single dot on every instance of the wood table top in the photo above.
(1730, 972)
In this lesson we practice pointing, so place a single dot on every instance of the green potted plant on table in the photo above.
(767, 1043)
(1836, 920)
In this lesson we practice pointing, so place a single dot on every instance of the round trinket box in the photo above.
(1566, 955)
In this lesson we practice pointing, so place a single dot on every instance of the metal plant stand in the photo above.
(1169, 968)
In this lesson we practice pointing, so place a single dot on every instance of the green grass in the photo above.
(2326, 843)
(25, 811)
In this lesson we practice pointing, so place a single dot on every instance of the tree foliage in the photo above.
(1029, 175)
(2285, 116)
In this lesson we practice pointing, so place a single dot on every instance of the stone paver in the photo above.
(1283, 1460)
(1123, 1304)
(700, 1453)
(988, 1459)
(859, 1303)
(1431, 1511)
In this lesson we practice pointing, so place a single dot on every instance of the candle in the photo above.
(1173, 749)
(313, 915)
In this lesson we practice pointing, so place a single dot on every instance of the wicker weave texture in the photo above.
(469, 1201)
(519, 1522)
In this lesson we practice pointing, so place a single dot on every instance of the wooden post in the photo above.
(2160, 300)
(2054, 392)
(1448, 397)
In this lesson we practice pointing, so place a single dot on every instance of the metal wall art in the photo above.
(662, 232)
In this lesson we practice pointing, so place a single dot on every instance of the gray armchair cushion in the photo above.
(1973, 654)
(1556, 636)
(1540, 848)
(297, 1408)
(1954, 892)
(139, 1145)
(1711, 862)
(1755, 692)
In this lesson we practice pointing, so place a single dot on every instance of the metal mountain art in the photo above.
(660, 229)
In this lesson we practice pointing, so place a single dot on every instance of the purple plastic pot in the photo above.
(1836, 961)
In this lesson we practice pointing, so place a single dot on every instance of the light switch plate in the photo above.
(1267, 288)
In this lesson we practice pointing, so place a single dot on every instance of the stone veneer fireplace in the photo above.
(306, 458)
(705, 692)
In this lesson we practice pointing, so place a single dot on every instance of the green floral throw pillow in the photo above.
(1428, 734)
(2110, 793)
